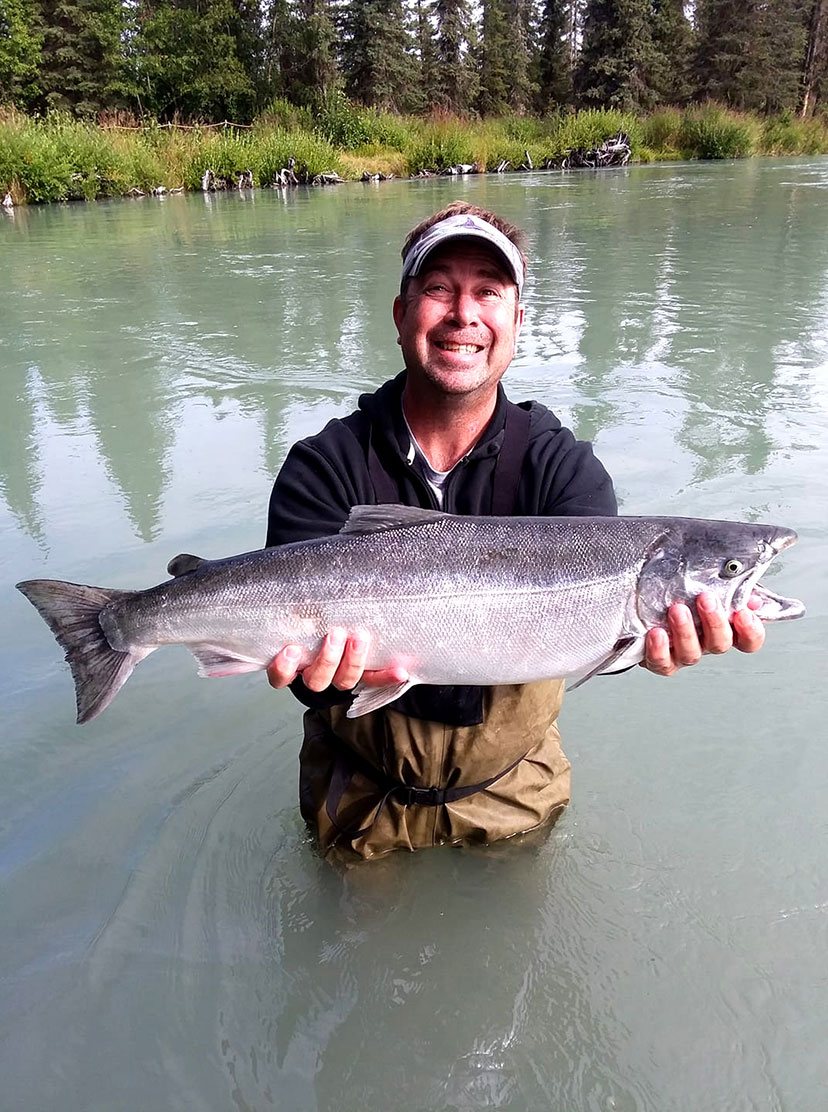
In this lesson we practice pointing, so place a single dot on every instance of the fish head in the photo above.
(723, 558)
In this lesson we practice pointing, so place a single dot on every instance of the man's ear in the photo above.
(519, 319)
(398, 311)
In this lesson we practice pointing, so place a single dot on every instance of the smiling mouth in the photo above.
(464, 349)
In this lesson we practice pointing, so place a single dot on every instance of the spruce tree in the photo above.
(315, 71)
(81, 62)
(279, 49)
(454, 81)
(616, 56)
(507, 32)
(751, 53)
(520, 36)
(672, 59)
(427, 53)
(20, 45)
(495, 62)
(377, 54)
(553, 67)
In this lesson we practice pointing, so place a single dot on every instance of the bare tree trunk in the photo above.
(574, 11)
(815, 58)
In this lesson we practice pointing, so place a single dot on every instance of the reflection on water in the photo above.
(277, 315)
(170, 939)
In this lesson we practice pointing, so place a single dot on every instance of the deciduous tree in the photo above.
(20, 44)
(188, 60)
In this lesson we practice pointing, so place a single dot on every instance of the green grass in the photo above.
(58, 158)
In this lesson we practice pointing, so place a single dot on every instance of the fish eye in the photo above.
(732, 567)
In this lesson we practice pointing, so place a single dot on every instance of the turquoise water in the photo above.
(169, 937)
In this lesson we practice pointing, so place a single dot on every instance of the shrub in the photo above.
(341, 122)
(280, 113)
(709, 132)
(784, 135)
(661, 131)
(439, 144)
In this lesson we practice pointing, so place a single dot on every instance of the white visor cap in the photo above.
(464, 226)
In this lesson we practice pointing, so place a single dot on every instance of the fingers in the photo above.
(384, 677)
(284, 667)
(681, 645)
(320, 673)
(717, 635)
(352, 663)
(748, 632)
(657, 655)
(340, 662)
(678, 646)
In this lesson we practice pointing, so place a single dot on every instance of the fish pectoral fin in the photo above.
(613, 657)
(184, 563)
(215, 660)
(372, 698)
(376, 519)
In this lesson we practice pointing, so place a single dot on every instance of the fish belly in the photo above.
(450, 613)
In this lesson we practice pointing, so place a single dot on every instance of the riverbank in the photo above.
(59, 158)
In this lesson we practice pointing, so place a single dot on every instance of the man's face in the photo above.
(459, 320)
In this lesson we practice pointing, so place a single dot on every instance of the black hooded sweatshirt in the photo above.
(343, 466)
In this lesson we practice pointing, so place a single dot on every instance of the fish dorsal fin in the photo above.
(184, 563)
(374, 519)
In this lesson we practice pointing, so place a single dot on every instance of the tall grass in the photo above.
(58, 158)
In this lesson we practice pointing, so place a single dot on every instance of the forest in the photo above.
(217, 60)
(112, 97)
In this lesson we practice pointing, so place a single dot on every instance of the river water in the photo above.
(170, 940)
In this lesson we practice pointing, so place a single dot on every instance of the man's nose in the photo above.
(464, 308)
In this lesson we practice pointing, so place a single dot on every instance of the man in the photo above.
(447, 764)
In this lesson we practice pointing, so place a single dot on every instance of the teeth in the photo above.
(468, 349)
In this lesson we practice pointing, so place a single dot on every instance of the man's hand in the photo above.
(340, 661)
(667, 651)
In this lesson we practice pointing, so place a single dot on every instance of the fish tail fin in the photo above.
(72, 612)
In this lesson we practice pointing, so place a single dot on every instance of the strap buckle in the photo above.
(422, 797)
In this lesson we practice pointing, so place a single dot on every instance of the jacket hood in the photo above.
(384, 410)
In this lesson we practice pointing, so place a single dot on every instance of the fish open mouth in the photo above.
(776, 608)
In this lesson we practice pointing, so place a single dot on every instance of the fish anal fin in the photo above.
(612, 662)
(376, 519)
(184, 563)
(216, 660)
(372, 698)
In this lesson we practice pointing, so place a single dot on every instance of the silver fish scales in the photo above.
(469, 600)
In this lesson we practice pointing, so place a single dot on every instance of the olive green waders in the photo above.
(386, 781)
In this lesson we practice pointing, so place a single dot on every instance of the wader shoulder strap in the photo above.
(346, 765)
(384, 486)
(510, 461)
